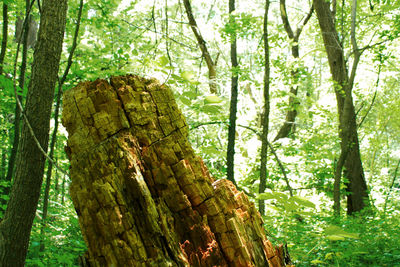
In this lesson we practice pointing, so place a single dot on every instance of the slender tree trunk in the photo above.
(17, 223)
(265, 117)
(49, 171)
(390, 188)
(21, 82)
(56, 183)
(55, 130)
(5, 37)
(350, 152)
(234, 101)
(3, 165)
(211, 64)
(288, 126)
(63, 190)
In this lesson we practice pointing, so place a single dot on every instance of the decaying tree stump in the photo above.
(142, 196)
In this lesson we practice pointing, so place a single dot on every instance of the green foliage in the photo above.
(324, 241)
(63, 242)
(118, 37)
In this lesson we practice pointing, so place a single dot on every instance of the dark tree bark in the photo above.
(211, 64)
(233, 104)
(288, 126)
(17, 223)
(5, 37)
(2, 56)
(142, 196)
(265, 117)
(63, 190)
(350, 156)
(55, 130)
(21, 82)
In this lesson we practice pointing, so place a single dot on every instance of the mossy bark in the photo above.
(142, 196)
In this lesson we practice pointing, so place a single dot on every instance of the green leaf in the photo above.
(187, 75)
(317, 261)
(273, 195)
(185, 101)
(290, 205)
(303, 202)
(211, 109)
(212, 99)
(176, 77)
(336, 231)
(7, 84)
(163, 61)
(190, 94)
(335, 237)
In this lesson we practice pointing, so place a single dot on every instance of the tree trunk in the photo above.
(21, 82)
(350, 151)
(5, 35)
(55, 130)
(16, 226)
(230, 158)
(63, 190)
(288, 126)
(265, 117)
(142, 196)
(211, 64)
(3, 165)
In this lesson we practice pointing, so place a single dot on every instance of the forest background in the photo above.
(305, 137)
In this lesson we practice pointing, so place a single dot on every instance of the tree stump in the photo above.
(142, 196)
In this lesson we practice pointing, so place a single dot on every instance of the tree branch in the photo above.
(303, 22)
(259, 135)
(356, 51)
(390, 187)
(203, 47)
(285, 19)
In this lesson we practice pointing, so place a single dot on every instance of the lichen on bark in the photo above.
(142, 196)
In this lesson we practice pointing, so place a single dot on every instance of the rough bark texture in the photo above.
(288, 126)
(55, 130)
(211, 64)
(5, 37)
(142, 196)
(357, 197)
(18, 219)
(21, 82)
(266, 110)
(230, 153)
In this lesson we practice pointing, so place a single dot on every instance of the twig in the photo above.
(259, 135)
(369, 109)
(391, 186)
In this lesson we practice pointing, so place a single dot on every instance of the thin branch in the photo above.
(356, 51)
(259, 135)
(74, 45)
(282, 169)
(154, 20)
(166, 40)
(391, 186)
(285, 19)
(369, 109)
(203, 47)
(303, 23)
(149, 29)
